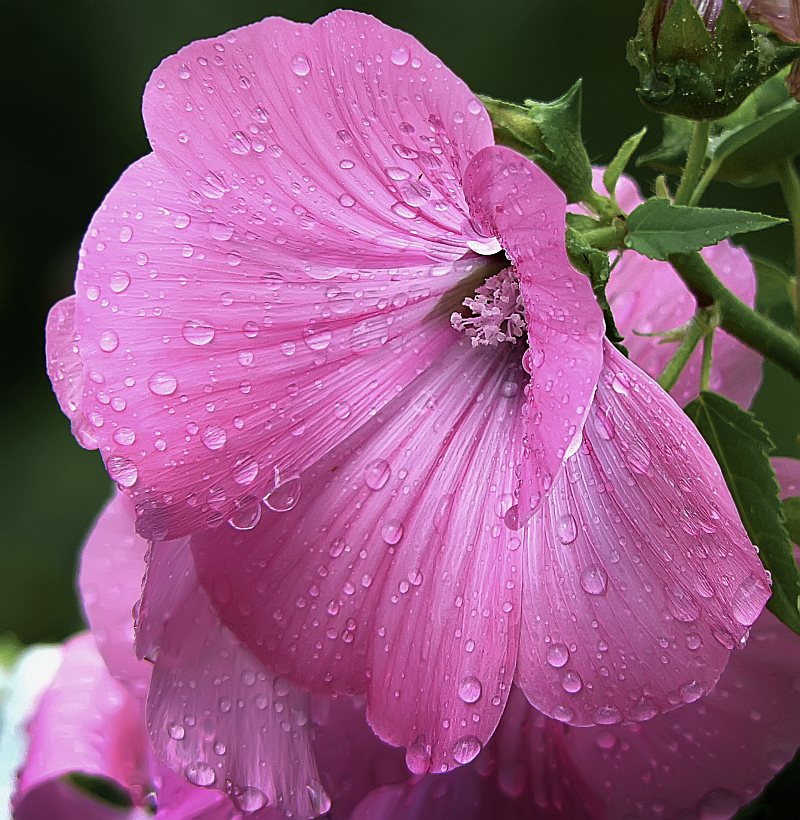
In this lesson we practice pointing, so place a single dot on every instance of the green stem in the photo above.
(790, 183)
(608, 237)
(694, 162)
(736, 317)
(603, 206)
(705, 368)
(701, 186)
(695, 331)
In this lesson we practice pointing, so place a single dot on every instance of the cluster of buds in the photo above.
(700, 58)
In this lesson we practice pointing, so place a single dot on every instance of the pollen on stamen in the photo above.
(497, 312)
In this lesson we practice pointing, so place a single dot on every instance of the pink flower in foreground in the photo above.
(708, 758)
(264, 311)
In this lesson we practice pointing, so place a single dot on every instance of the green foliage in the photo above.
(742, 446)
(620, 162)
(774, 294)
(658, 228)
(747, 147)
(102, 788)
(687, 70)
(791, 510)
(549, 133)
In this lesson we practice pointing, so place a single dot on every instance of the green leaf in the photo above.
(658, 228)
(550, 134)
(742, 446)
(620, 162)
(791, 510)
(775, 291)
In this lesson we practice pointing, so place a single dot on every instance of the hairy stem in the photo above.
(705, 368)
(695, 331)
(741, 321)
(694, 162)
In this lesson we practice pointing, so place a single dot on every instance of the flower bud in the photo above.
(700, 58)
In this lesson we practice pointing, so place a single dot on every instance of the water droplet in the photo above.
(125, 233)
(749, 599)
(162, 384)
(557, 655)
(392, 532)
(572, 682)
(214, 437)
(249, 799)
(377, 473)
(607, 715)
(245, 469)
(197, 333)
(285, 495)
(123, 471)
(201, 774)
(719, 804)
(418, 756)
(247, 515)
(470, 689)
(109, 341)
(176, 731)
(300, 65)
(400, 56)
(119, 281)
(690, 692)
(466, 749)
(220, 232)
(567, 528)
(594, 581)
(317, 338)
(346, 201)
(125, 436)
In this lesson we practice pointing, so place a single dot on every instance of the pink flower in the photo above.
(709, 757)
(264, 311)
(255, 752)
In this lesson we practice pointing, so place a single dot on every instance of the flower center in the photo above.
(495, 313)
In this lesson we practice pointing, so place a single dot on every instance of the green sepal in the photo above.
(657, 228)
(549, 133)
(741, 446)
(621, 159)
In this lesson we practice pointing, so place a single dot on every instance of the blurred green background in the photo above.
(72, 89)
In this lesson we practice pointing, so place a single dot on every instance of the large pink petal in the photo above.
(647, 297)
(215, 369)
(110, 583)
(337, 141)
(520, 204)
(396, 573)
(214, 713)
(86, 722)
(65, 369)
(640, 578)
(711, 757)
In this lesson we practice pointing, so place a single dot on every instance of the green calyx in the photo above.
(687, 70)
(549, 133)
